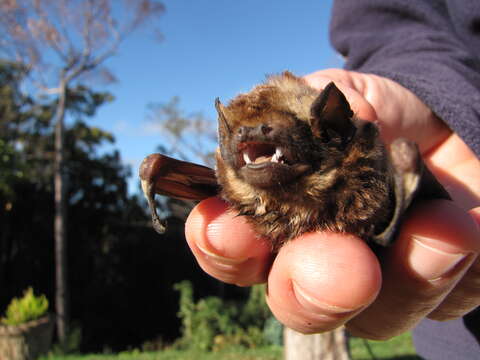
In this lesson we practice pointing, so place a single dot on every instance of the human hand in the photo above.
(320, 281)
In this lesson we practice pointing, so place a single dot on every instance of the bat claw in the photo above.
(160, 174)
(158, 225)
(148, 188)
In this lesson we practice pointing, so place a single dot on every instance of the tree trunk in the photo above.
(60, 234)
(327, 346)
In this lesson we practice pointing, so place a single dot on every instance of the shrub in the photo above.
(203, 320)
(27, 308)
(213, 324)
(273, 331)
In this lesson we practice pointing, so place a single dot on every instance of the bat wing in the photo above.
(160, 174)
(412, 181)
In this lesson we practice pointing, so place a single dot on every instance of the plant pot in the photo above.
(26, 341)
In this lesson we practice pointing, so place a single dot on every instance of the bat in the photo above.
(295, 160)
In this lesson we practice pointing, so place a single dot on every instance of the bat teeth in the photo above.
(278, 154)
(246, 158)
(261, 153)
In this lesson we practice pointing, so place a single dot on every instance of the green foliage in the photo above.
(71, 345)
(27, 308)
(399, 347)
(214, 324)
(10, 168)
(232, 353)
(273, 331)
(104, 221)
(203, 320)
(255, 311)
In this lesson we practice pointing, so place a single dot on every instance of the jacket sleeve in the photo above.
(431, 47)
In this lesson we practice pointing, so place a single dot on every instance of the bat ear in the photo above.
(224, 130)
(331, 116)
(223, 126)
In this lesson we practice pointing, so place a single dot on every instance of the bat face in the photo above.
(293, 160)
(278, 132)
(269, 151)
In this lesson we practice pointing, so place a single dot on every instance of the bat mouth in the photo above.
(268, 165)
(257, 155)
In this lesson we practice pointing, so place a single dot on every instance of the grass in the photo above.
(399, 348)
(265, 353)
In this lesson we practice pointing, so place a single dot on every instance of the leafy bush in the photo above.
(273, 331)
(203, 320)
(27, 308)
(72, 342)
(214, 324)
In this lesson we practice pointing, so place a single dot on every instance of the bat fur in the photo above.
(294, 160)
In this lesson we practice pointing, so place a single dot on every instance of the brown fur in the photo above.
(348, 188)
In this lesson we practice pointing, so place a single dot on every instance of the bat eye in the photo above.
(243, 130)
(265, 129)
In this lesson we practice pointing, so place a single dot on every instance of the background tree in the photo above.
(186, 136)
(59, 42)
(331, 345)
(190, 137)
(122, 272)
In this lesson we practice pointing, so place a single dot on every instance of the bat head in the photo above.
(282, 130)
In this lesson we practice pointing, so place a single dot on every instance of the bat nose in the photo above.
(248, 132)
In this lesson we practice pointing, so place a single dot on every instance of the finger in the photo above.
(428, 259)
(225, 245)
(320, 280)
(466, 294)
(460, 173)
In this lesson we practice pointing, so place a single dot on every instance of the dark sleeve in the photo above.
(431, 47)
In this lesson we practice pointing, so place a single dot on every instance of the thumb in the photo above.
(475, 213)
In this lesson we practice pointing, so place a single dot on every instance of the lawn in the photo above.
(266, 353)
(400, 348)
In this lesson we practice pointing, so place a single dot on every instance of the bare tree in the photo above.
(191, 137)
(60, 42)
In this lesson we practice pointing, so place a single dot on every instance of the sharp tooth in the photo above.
(274, 158)
(246, 158)
(278, 154)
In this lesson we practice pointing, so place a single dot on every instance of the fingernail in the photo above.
(220, 260)
(429, 262)
(316, 306)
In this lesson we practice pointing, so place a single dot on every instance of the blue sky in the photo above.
(210, 48)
